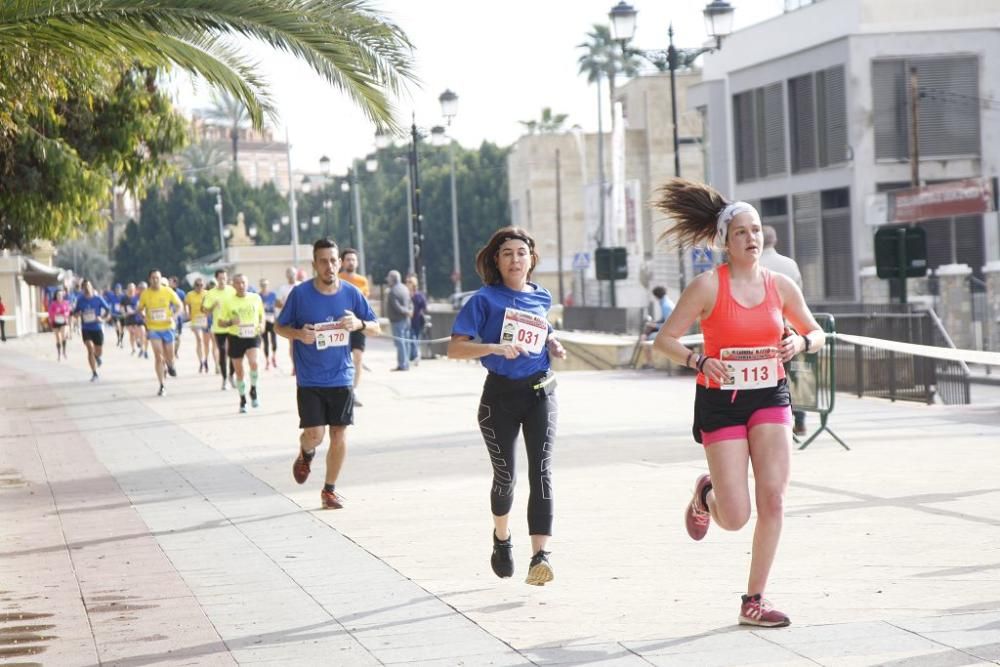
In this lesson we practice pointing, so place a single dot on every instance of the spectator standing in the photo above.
(418, 319)
(399, 310)
(774, 261)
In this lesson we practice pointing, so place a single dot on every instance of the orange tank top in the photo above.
(731, 324)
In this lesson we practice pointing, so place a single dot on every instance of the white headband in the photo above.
(726, 216)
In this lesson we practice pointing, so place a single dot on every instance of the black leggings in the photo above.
(507, 407)
(269, 333)
(222, 342)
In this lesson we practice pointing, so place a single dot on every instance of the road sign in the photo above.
(581, 261)
(702, 259)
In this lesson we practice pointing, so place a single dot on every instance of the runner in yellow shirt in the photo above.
(212, 304)
(244, 312)
(159, 305)
(199, 323)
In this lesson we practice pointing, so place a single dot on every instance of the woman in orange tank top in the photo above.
(742, 405)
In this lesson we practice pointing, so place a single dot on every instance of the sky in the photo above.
(505, 60)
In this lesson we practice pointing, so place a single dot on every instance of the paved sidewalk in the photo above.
(140, 530)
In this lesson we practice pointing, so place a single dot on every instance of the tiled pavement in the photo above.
(167, 531)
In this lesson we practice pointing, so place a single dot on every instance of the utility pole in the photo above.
(914, 131)
(559, 235)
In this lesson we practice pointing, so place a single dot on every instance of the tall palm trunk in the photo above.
(234, 134)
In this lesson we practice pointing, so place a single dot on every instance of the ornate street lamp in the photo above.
(718, 23)
(449, 109)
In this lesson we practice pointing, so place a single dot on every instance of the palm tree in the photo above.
(549, 123)
(604, 57)
(203, 160)
(347, 42)
(231, 112)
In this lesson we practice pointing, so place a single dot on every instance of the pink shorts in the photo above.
(774, 415)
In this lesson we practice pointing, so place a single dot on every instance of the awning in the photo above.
(40, 275)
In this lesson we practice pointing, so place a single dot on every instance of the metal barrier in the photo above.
(893, 375)
(812, 381)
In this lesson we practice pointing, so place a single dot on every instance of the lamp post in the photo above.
(382, 141)
(352, 183)
(718, 24)
(327, 212)
(418, 218)
(292, 204)
(449, 109)
(217, 191)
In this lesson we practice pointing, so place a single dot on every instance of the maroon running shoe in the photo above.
(758, 611)
(331, 500)
(696, 517)
(302, 466)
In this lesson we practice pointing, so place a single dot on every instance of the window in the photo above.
(809, 243)
(817, 112)
(774, 212)
(823, 244)
(759, 131)
(948, 122)
(838, 253)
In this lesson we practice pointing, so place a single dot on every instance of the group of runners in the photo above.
(228, 321)
(753, 321)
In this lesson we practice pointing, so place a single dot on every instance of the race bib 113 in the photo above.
(750, 367)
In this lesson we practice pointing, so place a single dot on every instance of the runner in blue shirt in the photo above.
(93, 311)
(270, 300)
(318, 317)
(114, 298)
(175, 286)
(508, 318)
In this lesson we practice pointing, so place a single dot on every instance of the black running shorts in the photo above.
(325, 406)
(358, 341)
(238, 346)
(718, 408)
(96, 337)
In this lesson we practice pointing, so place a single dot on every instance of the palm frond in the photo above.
(345, 41)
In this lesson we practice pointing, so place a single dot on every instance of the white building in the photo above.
(807, 115)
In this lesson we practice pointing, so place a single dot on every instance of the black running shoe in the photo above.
(540, 570)
(171, 371)
(502, 560)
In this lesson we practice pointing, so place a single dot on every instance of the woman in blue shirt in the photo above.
(504, 325)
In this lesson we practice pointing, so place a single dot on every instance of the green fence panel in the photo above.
(812, 381)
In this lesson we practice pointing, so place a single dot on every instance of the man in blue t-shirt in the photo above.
(93, 311)
(270, 300)
(318, 317)
(175, 285)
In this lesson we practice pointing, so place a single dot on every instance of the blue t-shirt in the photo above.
(180, 295)
(666, 307)
(333, 366)
(113, 301)
(270, 299)
(482, 317)
(92, 306)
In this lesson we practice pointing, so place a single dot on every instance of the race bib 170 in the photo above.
(330, 334)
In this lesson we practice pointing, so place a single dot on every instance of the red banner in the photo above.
(970, 196)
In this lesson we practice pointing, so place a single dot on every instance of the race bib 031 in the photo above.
(524, 328)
